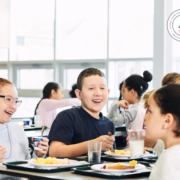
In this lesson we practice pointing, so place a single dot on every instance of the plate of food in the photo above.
(123, 153)
(118, 167)
(52, 162)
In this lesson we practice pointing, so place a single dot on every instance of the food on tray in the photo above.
(122, 152)
(50, 160)
(132, 165)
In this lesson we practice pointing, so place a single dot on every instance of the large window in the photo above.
(131, 28)
(37, 77)
(54, 40)
(3, 54)
(119, 71)
(4, 73)
(81, 29)
(32, 30)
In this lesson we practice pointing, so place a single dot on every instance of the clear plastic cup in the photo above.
(136, 142)
(94, 152)
(38, 121)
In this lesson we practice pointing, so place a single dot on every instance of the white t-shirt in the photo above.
(167, 166)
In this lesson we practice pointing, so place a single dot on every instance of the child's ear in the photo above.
(78, 94)
(132, 91)
(53, 93)
(168, 121)
(108, 91)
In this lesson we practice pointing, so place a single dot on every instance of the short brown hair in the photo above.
(86, 73)
(171, 78)
(5, 82)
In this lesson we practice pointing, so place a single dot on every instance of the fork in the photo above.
(109, 133)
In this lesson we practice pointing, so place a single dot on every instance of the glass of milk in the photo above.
(136, 142)
(38, 121)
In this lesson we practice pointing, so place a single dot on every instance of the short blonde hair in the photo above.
(146, 97)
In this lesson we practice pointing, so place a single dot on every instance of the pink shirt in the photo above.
(47, 108)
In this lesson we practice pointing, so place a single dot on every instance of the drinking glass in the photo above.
(136, 142)
(94, 152)
(38, 121)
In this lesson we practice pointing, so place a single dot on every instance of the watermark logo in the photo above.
(173, 25)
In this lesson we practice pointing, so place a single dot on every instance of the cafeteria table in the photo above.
(66, 175)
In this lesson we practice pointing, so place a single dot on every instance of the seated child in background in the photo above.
(133, 88)
(13, 140)
(51, 100)
(163, 122)
(72, 128)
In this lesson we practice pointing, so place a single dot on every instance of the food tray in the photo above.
(86, 170)
(24, 166)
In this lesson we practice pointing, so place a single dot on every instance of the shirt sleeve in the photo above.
(159, 146)
(125, 116)
(51, 104)
(62, 128)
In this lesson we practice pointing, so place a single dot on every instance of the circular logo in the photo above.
(174, 25)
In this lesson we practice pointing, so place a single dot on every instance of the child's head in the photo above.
(92, 90)
(8, 100)
(72, 92)
(120, 89)
(135, 85)
(171, 78)
(51, 90)
(163, 115)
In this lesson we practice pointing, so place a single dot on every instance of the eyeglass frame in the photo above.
(16, 102)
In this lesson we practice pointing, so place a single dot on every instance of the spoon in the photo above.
(109, 133)
(43, 128)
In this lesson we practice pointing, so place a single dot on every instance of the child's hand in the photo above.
(2, 153)
(107, 142)
(44, 148)
(123, 103)
(148, 143)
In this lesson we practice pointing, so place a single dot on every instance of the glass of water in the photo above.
(94, 152)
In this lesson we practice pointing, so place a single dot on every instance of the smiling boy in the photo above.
(72, 128)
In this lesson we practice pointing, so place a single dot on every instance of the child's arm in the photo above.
(2, 153)
(60, 149)
(119, 118)
(50, 104)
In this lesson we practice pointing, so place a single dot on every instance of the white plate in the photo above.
(116, 155)
(119, 155)
(72, 162)
(98, 167)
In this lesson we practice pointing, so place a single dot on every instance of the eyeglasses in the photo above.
(9, 100)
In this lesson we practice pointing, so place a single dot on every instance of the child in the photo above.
(53, 99)
(170, 78)
(72, 128)
(163, 122)
(13, 140)
(133, 88)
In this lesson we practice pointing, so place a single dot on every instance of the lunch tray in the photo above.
(24, 166)
(86, 170)
(106, 157)
(32, 128)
